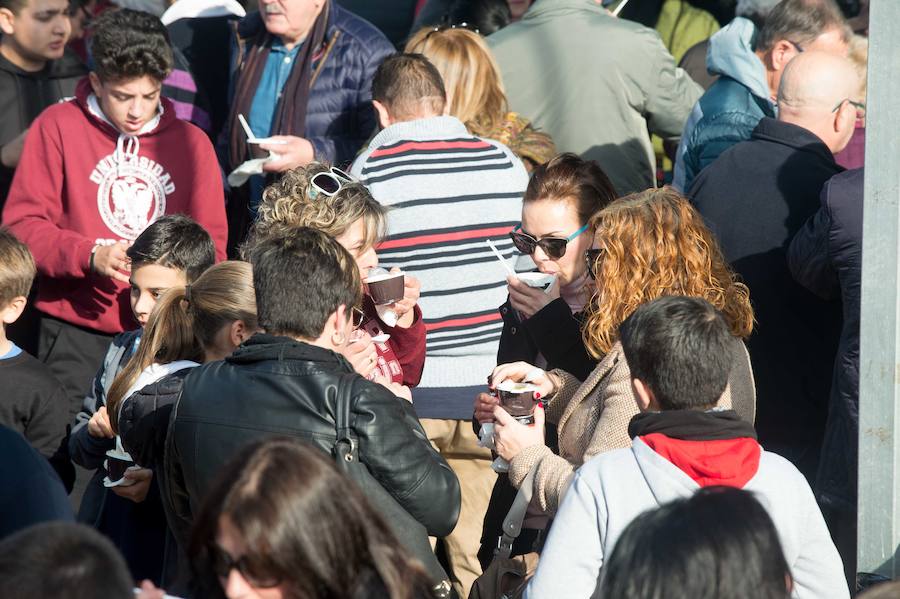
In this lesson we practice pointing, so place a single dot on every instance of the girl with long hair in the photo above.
(198, 323)
(648, 245)
(475, 91)
(281, 522)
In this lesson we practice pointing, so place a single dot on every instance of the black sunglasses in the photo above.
(591, 257)
(255, 573)
(554, 247)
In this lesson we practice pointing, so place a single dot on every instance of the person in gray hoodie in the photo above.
(676, 348)
(749, 63)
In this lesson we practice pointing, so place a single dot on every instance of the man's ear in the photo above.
(643, 396)
(13, 310)
(384, 117)
(96, 84)
(7, 21)
(781, 54)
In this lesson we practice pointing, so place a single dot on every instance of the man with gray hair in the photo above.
(750, 62)
(755, 197)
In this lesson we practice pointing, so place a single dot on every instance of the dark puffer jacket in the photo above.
(826, 258)
(275, 386)
(339, 117)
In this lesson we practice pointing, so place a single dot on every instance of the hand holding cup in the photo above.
(404, 307)
(529, 299)
(524, 372)
(361, 353)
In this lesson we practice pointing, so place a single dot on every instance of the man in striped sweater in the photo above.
(448, 193)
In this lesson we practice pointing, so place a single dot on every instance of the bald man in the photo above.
(755, 197)
(751, 63)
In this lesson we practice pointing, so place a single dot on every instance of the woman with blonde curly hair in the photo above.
(475, 91)
(648, 245)
(329, 200)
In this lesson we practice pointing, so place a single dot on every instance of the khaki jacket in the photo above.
(593, 417)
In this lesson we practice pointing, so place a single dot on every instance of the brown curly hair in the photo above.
(285, 204)
(653, 244)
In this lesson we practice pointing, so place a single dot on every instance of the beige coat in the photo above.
(593, 417)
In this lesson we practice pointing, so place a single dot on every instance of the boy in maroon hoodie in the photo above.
(94, 173)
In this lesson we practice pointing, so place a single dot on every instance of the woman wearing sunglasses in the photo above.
(651, 244)
(541, 327)
(329, 200)
(281, 523)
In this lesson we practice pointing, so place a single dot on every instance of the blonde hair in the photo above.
(654, 244)
(17, 269)
(185, 321)
(286, 204)
(471, 75)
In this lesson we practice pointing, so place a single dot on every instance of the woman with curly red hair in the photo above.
(648, 245)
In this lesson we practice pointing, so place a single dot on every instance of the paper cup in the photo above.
(518, 399)
(536, 279)
(386, 289)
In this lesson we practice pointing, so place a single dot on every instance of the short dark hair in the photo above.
(17, 269)
(301, 276)
(174, 241)
(13, 6)
(129, 44)
(681, 348)
(62, 560)
(486, 16)
(801, 22)
(720, 531)
(404, 82)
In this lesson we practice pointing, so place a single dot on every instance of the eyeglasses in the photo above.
(257, 574)
(591, 257)
(358, 317)
(327, 183)
(859, 106)
(554, 247)
(800, 49)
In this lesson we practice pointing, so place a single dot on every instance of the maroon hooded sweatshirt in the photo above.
(81, 182)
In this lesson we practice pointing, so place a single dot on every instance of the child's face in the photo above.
(148, 283)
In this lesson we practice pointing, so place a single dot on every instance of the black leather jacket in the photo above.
(277, 386)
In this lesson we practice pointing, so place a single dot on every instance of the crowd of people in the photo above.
(256, 342)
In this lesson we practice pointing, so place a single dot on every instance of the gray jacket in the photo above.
(595, 84)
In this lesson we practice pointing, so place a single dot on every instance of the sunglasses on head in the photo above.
(327, 183)
(591, 257)
(554, 247)
(255, 573)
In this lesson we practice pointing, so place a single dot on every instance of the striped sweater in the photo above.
(448, 192)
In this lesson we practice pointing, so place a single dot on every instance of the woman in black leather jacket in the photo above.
(545, 326)
(291, 381)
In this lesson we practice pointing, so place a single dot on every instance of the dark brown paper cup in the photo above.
(386, 290)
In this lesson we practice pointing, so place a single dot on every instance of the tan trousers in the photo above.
(457, 442)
